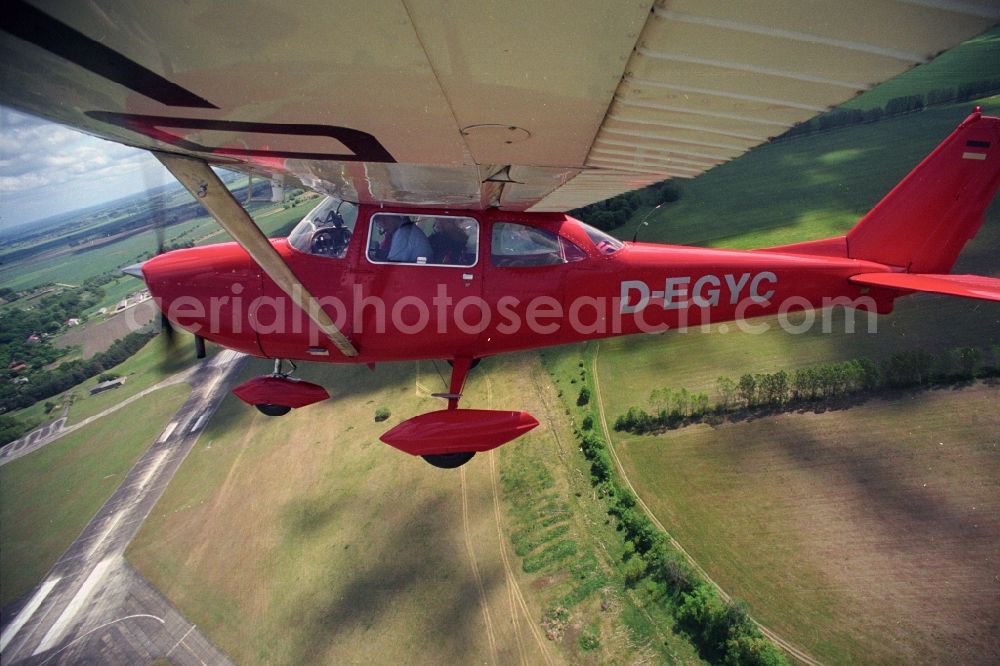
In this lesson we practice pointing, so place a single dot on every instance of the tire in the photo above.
(272, 410)
(449, 460)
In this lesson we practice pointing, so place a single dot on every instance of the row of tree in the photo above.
(777, 390)
(616, 211)
(721, 631)
(69, 374)
(895, 107)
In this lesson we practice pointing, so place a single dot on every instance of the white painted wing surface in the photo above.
(525, 105)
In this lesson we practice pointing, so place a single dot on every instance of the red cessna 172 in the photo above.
(450, 139)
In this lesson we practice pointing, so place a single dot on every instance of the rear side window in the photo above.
(516, 244)
(432, 240)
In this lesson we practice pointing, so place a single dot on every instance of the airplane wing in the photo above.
(539, 106)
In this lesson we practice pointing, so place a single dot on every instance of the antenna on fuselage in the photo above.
(644, 223)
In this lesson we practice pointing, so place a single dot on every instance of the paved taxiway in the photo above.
(50, 432)
(92, 607)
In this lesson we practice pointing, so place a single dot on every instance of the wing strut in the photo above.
(199, 179)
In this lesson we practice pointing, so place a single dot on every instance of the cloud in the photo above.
(46, 169)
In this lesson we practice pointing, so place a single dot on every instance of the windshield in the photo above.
(605, 244)
(516, 244)
(326, 230)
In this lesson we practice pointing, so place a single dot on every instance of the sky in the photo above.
(47, 169)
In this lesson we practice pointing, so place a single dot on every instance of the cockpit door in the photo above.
(418, 288)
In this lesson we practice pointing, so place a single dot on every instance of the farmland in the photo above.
(866, 535)
(76, 267)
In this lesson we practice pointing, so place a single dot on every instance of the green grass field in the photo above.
(802, 189)
(48, 497)
(305, 540)
(147, 367)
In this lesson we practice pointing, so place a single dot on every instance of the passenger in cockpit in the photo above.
(409, 244)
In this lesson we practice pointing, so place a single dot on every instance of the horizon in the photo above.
(48, 169)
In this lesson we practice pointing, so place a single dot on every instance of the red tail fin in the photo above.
(925, 221)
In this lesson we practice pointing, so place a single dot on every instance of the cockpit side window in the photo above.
(432, 240)
(326, 230)
(522, 245)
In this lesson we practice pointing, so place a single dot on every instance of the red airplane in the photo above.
(449, 145)
(406, 284)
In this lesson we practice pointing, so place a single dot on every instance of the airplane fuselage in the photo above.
(496, 301)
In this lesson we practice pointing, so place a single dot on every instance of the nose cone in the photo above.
(209, 291)
(135, 270)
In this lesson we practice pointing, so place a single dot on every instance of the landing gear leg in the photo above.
(459, 371)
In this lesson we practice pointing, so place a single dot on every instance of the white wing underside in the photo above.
(542, 106)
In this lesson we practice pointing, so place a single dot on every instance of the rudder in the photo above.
(925, 221)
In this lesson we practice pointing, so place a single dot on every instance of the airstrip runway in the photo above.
(92, 607)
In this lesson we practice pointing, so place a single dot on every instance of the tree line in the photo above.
(612, 213)
(67, 375)
(896, 106)
(828, 381)
(721, 631)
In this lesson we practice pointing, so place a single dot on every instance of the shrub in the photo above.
(381, 414)
(634, 570)
(584, 397)
(589, 641)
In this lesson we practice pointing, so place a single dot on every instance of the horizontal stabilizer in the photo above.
(967, 286)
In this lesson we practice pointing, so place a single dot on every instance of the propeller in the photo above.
(159, 228)
(168, 333)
